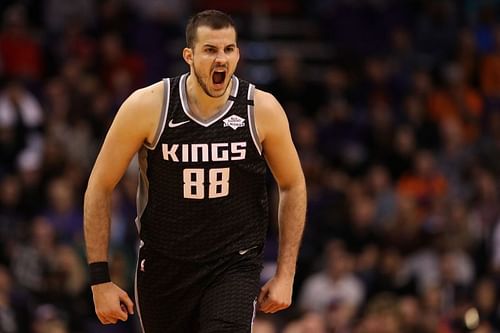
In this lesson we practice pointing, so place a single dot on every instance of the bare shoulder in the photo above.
(147, 98)
(269, 114)
(265, 102)
(142, 109)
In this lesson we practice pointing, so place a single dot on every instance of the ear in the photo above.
(187, 54)
(237, 54)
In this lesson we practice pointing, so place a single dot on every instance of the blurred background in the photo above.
(395, 110)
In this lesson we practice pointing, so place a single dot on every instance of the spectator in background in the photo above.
(338, 84)
(35, 258)
(454, 158)
(340, 317)
(487, 149)
(292, 87)
(436, 30)
(340, 135)
(335, 283)
(21, 123)
(30, 173)
(484, 216)
(9, 320)
(425, 183)
(118, 64)
(390, 275)
(416, 116)
(405, 77)
(263, 324)
(380, 129)
(399, 159)
(63, 212)
(485, 298)
(156, 24)
(381, 316)
(467, 56)
(59, 14)
(309, 322)
(411, 315)
(11, 217)
(48, 319)
(490, 69)
(381, 188)
(66, 284)
(20, 51)
(457, 100)
(495, 261)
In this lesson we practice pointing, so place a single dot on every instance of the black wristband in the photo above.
(99, 273)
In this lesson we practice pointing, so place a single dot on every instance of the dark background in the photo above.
(394, 108)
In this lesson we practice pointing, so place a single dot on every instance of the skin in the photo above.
(135, 124)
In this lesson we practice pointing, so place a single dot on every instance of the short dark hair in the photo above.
(214, 19)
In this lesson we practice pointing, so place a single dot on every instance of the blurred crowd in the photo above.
(398, 134)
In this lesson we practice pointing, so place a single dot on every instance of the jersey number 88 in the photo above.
(194, 183)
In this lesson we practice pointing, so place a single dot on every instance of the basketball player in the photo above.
(203, 140)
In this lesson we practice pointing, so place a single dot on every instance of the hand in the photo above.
(111, 303)
(275, 295)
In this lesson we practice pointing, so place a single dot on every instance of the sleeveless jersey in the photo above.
(202, 191)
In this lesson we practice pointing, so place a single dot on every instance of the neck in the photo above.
(202, 104)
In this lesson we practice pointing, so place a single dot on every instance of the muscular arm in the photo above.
(284, 163)
(292, 207)
(134, 124)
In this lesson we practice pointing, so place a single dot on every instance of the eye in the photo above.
(229, 49)
(210, 50)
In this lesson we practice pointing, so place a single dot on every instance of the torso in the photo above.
(202, 192)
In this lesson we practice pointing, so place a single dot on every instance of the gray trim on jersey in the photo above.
(142, 187)
(136, 292)
(251, 119)
(253, 314)
(215, 117)
(163, 115)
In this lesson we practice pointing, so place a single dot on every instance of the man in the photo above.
(203, 140)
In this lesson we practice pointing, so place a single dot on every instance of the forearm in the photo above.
(292, 211)
(97, 224)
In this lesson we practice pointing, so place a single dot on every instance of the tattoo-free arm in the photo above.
(284, 163)
(134, 124)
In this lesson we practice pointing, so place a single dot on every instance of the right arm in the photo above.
(134, 124)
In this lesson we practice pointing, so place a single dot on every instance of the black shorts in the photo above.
(188, 297)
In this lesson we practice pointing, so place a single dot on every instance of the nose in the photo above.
(221, 57)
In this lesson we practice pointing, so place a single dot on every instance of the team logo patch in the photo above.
(234, 122)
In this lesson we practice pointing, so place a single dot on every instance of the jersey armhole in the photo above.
(163, 115)
(251, 119)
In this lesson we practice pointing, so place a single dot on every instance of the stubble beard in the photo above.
(204, 86)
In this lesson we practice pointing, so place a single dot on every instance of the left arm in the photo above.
(283, 160)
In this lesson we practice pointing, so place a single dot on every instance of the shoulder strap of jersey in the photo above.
(242, 95)
(248, 99)
(163, 114)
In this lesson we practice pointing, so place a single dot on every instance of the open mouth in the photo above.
(218, 76)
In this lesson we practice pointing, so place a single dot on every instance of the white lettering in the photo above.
(204, 152)
(185, 153)
(238, 150)
(170, 152)
(218, 148)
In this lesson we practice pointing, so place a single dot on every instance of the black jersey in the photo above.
(202, 190)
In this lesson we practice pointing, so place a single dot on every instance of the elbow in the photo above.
(96, 189)
(298, 185)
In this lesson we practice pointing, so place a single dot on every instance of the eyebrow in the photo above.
(210, 45)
